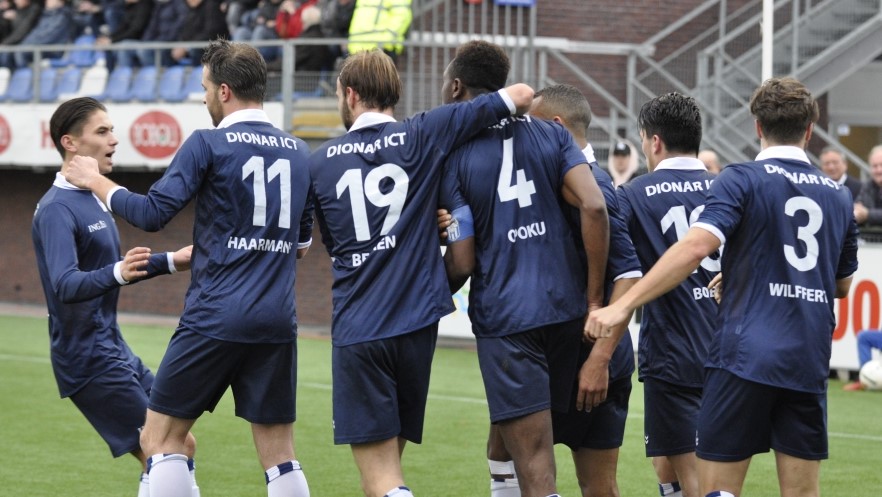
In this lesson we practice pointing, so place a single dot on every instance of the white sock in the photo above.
(399, 492)
(169, 476)
(670, 489)
(144, 486)
(500, 484)
(286, 480)
(194, 490)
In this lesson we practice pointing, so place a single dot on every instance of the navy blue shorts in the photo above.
(670, 417)
(115, 403)
(381, 386)
(601, 428)
(740, 418)
(530, 371)
(196, 371)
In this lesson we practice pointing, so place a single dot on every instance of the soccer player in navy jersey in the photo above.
(677, 327)
(791, 249)
(376, 190)
(238, 329)
(518, 177)
(78, 257)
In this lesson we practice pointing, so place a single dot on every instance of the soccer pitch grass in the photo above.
(48, 448)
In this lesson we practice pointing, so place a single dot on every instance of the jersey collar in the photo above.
(244, 115)
(64, 184)
(681, 163)
(370, 119)
(589, 154)
(783, 152)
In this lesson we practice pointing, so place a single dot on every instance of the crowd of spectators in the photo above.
(126, 24)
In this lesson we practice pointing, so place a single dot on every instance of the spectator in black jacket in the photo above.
(165, 24)
(22, 20)
(132, 27)
(205, 22)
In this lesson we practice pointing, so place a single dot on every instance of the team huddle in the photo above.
(558, 260)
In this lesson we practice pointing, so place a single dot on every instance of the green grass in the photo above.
(48, 448)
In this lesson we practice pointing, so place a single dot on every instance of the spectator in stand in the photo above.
(132, 27)
(623, 163)
(834, 165)
(336, 16)
(868, 206)
(313, 58)
(6, 24)
(235, 10)
(289, 23)
(54, 27)
(98, 16)
(166, 23)
(711, 161)
(380, 23)
(206, 22)
(260, 25)
(22, 20)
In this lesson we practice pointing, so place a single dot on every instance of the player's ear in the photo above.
(808, 132)
(68, 144)
(457, 89)
(759, 129)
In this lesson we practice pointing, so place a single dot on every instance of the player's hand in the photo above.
(860, 212)
(716, 286)
(593, 383)
(80, 171)
(134, 264)
(444, 221)
(301, 252)
(181, 258)
(602, 321)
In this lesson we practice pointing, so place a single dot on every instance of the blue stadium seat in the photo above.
(48, 91)
(193, 84)
(144, 85)
(69, 83)
(171, 84)
(80, 57)
(21, 86)
(118, 84)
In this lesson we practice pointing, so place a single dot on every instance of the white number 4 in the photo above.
(522, 189)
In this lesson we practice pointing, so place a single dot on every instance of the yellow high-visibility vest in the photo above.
(379, 23)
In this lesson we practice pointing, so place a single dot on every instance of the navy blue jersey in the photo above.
(252, 212)
(376, 191)
(790, 234)
(77, 247)
(677, 327)
(622, 262)
(527, 264)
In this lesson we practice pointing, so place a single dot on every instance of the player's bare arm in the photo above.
(522, 96)
(675, 265)
(581, 191)
(842, 287)
(181, 258)
(82, 172)
(134, 264)
(594, 374)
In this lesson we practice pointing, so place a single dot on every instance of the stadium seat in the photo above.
(79, 57)
(4, 80)
(94, 81)
(21, 86)
(193, 90)
(68, 85)
(118, 84)
(144, 85)
(48, 90)
(171, 84)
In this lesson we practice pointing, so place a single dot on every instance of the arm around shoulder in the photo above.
(521, 96)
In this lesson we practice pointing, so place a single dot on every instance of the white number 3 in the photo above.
(805, 233)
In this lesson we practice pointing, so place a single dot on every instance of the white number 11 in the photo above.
(281, 169)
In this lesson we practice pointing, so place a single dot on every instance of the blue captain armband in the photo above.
(462, 226)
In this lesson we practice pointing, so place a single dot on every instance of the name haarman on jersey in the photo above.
(390, 140)
(259, 244)
(259, 139)
(797, 292)
(678, 187)
(802, 178)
